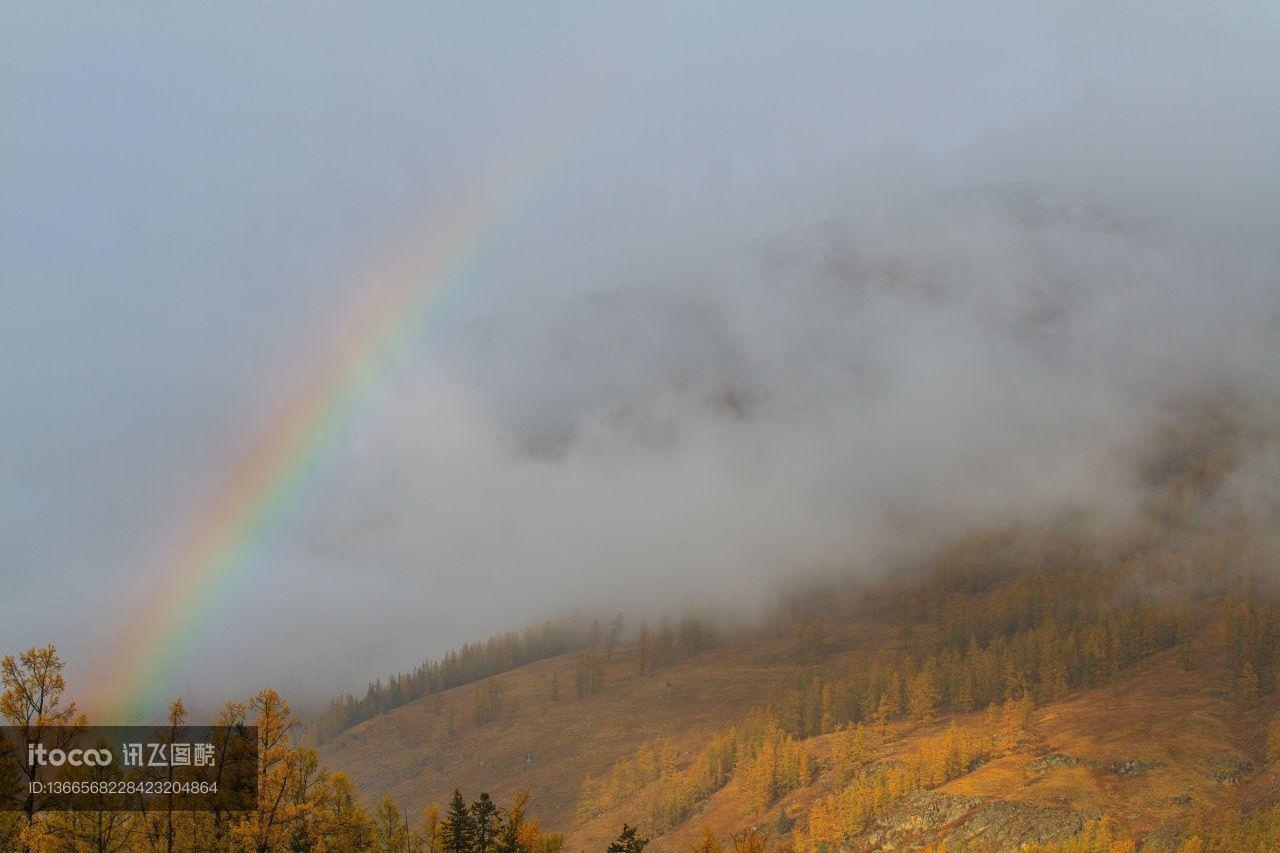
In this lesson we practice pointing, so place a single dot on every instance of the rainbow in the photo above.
(200, 579)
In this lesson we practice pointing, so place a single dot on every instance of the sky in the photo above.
(775, 291)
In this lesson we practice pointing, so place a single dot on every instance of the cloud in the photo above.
(809, 290)
(842, 397)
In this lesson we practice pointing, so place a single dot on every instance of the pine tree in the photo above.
(458, 834)
(486, 823)
(629, 841)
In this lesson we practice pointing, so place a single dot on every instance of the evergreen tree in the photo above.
(486, 824)
(629, 841)
(459, 836)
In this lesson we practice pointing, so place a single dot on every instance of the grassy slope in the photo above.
(548, 747)
(1156, 713)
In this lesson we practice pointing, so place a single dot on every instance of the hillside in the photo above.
(549, 747)
(1161, 741)
(1054, 684)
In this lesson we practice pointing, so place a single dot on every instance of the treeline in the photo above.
(1037, 634)
(654, 649)
(301, 805)
(595, 642)
(473, 662)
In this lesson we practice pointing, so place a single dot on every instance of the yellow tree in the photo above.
(1015, 717)
(708, 843)
(391, 828)
(825, 821)
(848, 747)
(100, 829)
(211, 830)
(32, 704)
(922, 696)
(161, 828)
(429, 837)
(289, 780)
(342, 821)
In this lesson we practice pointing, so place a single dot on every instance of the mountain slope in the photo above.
(1152, 748)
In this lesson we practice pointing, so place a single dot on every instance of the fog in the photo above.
(792, 293)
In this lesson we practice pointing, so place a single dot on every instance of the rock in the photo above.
(1134, 766)
(931, 817)
(1231, 771)
(1055, 760)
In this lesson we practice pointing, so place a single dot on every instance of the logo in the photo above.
(38, 755)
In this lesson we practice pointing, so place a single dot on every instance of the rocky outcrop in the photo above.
(1056, 760)
(931, 817)
(1231, 771)
(1134, 766)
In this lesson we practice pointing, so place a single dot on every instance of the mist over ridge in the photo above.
(807, 293)
(841, 398)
